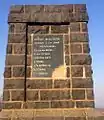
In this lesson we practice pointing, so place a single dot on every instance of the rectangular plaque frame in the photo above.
(55, 62)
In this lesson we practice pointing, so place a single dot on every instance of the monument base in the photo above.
(51, 114)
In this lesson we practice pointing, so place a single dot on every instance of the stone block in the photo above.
(75, 27)
(6, 95)
(79, 37)
(19, 48)
(7, 72)
(39, 84)
(32, 95)
(67, 60)
(9, 49)
(43, 29)
(16, 38)
(84, 27)
(13, 83)
(62, 104)
(81, 60)
(85, 104)
(67, 50)
(15, 60)
(49, 118)
(20, 27)
(12, 105)
(55, 8)
(78, 94)
(62, 83)
(86, 48)
(17, 9)
(82, 83)
(75, 118)
(66, 39)
(20, 71)
(76, 48)
(83, 17)
(59, 29)
(88, 71)
(80, 8)
(68, 72)
(36, 105)
(55, 95)
(77, 71)
(17, 95)
(90, 94)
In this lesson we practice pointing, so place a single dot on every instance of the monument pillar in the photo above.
(48, 72)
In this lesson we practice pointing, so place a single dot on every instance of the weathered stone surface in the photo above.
(20, 71)
(76, 48)
(78, 94)
(49, 13)
(67, 60)
(96, 118)
(90, 94)
(66, 49)
(39, 84)
(80, 7)
(15, 59)
(74, 27)
(83, 17)
(75, 118)
(66, 39)
(6, 95)
(55, 8)
(11, 27)
(5, 115)
(79, 37)
(36, 105)
(12, 105)
(88, 71)
(13, 83)
(20, 27)
(17, 18)
(77, 71)
(49, 118)
(62, 83)
(85, 104)
(62, 104)
(68, 72)
(9, 49)
(81, 60)
(55, 95)
(20, 49)
(82, 83)
(32, 95)
(86, 48)
(17, 95)
(84, 27)
(17, 9)
(38, 29)
(59, 29)
(16, 38)
(23, 114)
(7, 72)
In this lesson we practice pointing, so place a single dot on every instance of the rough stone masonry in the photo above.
(46, 85)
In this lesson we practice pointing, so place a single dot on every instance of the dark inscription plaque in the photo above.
(47, 54)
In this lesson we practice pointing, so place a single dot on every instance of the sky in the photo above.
(96, 34)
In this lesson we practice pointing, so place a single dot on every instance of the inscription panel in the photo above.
(47, 54)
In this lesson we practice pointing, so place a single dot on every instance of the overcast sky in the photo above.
(96, 34)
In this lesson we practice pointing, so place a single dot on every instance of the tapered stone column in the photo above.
(48, 72)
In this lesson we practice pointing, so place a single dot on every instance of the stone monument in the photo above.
(48, 71)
